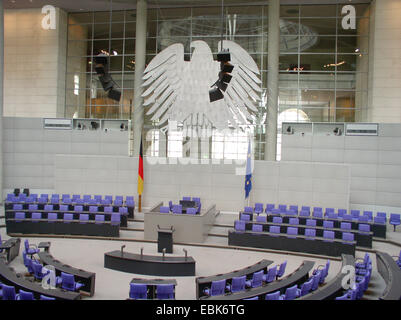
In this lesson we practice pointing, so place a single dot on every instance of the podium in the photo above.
(165, 239)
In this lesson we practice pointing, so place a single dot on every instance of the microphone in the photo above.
(164, 252)
(122, 248)
(186, 254)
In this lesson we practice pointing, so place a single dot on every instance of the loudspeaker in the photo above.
(114, 95)
(225, 77)
(224, 56)
(221, 85)
(226, 67)
(215, 94)
(106, 81)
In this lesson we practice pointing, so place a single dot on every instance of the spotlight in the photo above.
(101, 62)
(226, 67)
(337, 132)
(215, 94)
(94, 125)
(221, 85)
(290, 130)
(114, 94)
(225, 77)
(224, 55)
(106, 81)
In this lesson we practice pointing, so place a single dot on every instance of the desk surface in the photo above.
(391, 274)
(146, 258)
(300, 274)
(154, 282)
(237, 273)
(334, 287)
(10, 277)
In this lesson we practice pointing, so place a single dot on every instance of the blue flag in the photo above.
(248, 177)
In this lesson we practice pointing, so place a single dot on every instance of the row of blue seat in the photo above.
(77, 208)
(292, 232)
(68, 217)
(139, 291)
(309, 223)
(9, 293)
(239, 284)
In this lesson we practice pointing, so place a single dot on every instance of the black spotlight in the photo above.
(226, 67)
(215, 94)
(337, 132)
(290, 130)
(224, 55)
(101, 62)
(94, 125)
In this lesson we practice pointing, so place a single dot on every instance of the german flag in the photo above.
(140, 171)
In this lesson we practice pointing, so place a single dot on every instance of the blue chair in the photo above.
(83, 218)
(310, 234)
(343, 297)
(379, 220)
(138, 291)
(328, 224)
(248, 210)
(36, 216)
(274, 296)
(38, 273)
(341, 212)
(17, 207)
(191, 211)
(186, 198)
(177, 209)
(304, 213)
(257, 228)
(165, 292)
(274, 230)
(364, 228)
(294, 221)
(239, 225)
(42, 297)
(68, 282)
(9, 293)
(277, 220)
(258, 208)
(123, 211)
(292, 232)
(51, 217)
(19, 216)
(281, 269)
(256, 281)
(25, 295)
(115, 219)
(271, 275)
(311, 223)
(63, 207)
(291, 293)
(269, 207)
(348, 238)
(78, 208)
(164, 210)
(317, 214)
(305, 288)
(316, 279)
(93, 209)
(237, 284)
(99, 219)
(261, 218)
(68, 217)
(245, 217)
(395, 220)
(30, 249)
(252, 299)
(216, 289)
(345, 226)
(108, 209)
(328, 236)
(282, 208)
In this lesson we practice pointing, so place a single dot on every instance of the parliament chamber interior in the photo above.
(200, 150)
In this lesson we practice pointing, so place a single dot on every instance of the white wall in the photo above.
(273, 182)
(29, 150)
(385, 62)
(375, 163)
(34, 64)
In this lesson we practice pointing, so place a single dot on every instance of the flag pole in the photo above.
(140, 177)
(140, 203)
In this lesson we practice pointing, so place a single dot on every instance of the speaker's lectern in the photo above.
(165, 239)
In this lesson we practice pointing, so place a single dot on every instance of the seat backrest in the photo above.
(42, 297)
(379, 220)
(52, 216)
(292, 231)
(18, 207)
(67, 281)
(311, 222)
(273, 296)
(310, 233)
(238, 284)
(164, 209)
(25, 295)
(108, 209)
(261, 218)
(186, 198)
(274, 229)
(36, 215)
(115, 219)
(191, 211)
(345, 226)
(99, 218)
(394, 217)
(48, 207)
(177, 208)
(291, 293)
(364, 227)
(93, 209)
(348, 236)
(8, 292)
(257, 228)
(239, 225)
(306, 287)
(317, 214)
(257, 278)
(19, 216)
(271, 274)
(316, 279)
(166, 291)
(269, 207)
(277, 220)
(138, 291)
(294, 221)
(328, 224)
(78, 208)
(84, 217)
(248, 209)
(281, 269)
(328, 234)
(245, 217)
(282, 207)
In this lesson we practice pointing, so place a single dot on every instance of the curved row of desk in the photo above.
(379, 230)
(334, 288)
(59, 227)
(82, 276)
(362, 239)
(298, 277)
(205, 282)
(267, 240)
(391, 274)
(9, 277)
